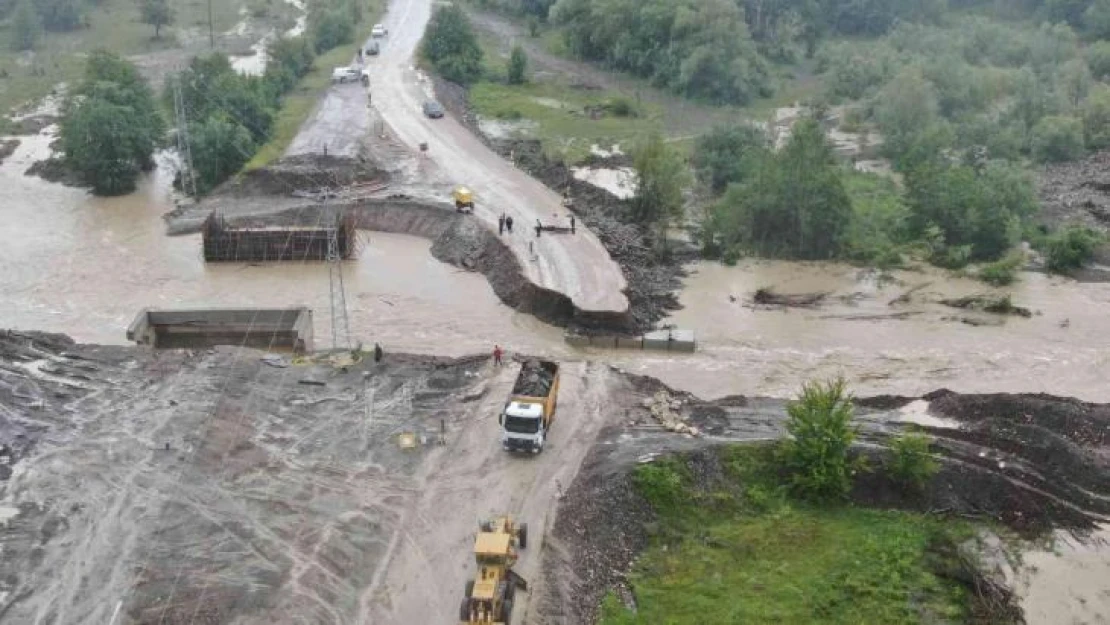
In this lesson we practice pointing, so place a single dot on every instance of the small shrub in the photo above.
(518, 64)
(533, 26)
(731, 256)
(660, 483)
(621, 107)
(912, 464)
(1001, 272)
(1070, 248)
(1057, 139)
(822, 433)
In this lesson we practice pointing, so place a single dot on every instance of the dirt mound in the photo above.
(7, 148)
(1077, 192)
(54, 169)
(600, 528)
(652, 279)
(306, 173)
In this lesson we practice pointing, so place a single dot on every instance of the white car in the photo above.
(345, 74)
(378, 31)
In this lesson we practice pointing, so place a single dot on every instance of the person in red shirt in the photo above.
(497, 355)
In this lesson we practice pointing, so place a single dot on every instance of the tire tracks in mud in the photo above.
(472, 478)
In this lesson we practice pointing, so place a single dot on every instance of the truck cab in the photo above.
(523, 427)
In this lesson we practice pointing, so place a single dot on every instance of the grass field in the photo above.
(749, 554)
(113, 24)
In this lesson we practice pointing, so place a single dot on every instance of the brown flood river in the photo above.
(84, 266)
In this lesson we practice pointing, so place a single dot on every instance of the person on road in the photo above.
(509, 223)
(497, 355)
(539, 228)
(378, 353)
(572, 224)
(501, 224)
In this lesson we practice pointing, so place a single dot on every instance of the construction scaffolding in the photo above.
(223, 242)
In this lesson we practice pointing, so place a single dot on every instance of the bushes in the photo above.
(1070, 248)
(728, 154)
(518, 63)
(332, 28)
(1056, 139)
(911, 464)
(1001, 272)
(820, 422)
(451, 46)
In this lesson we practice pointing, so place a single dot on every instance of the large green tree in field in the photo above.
(451, 46)
(111, 126)
(157, 13)
(729, 155)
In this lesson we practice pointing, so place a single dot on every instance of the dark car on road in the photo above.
(373, 48)
(433, 109)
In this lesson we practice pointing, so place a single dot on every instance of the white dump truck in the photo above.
(527, 416)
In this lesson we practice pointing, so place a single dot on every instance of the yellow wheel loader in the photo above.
(489, 596)
(464, 200)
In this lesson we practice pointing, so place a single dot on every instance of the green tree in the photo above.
(912, 464)
(289, 59)
(1096, 119)
(1070, 248)
(821, 437)
(1098, 59)
(219, 147)
(332, 28)
(451, 46)
(794, 203)
(661, 177)
(1057, 139)
(157, 13)
(518, 64)
(728, 154)
(26, 27)
(111, 125)
(904, 108)
(980, 211)
(1075, 81)
(1096, 20)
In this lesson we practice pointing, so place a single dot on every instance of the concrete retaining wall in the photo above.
(662, 340)
(274, 329)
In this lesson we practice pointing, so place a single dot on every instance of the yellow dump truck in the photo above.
(527, 416)
(464, 200)
(489, 596)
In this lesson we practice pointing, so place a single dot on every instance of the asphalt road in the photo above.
(575, 265)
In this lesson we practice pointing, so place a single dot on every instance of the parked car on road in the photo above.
(378, 31)
(345, 74)
(372, 49)
(433, 109)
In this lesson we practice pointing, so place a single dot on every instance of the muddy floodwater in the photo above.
(84, 266)
(906, 348)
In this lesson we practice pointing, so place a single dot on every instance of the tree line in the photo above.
(112, 123)
(30, 18)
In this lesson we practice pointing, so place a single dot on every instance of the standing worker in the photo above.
(572, 224)
(378, 353)
(539, 228)
(497, 355)
(509, 223)
(501, 224)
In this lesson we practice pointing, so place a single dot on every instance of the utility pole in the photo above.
(184, 149)
(338, 293)
(211, 33)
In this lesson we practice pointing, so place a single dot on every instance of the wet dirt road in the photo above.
(471, 479)
(577, 266)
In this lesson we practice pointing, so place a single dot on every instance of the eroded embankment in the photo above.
(653, 280)
(1030, 462)
(462, 241)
